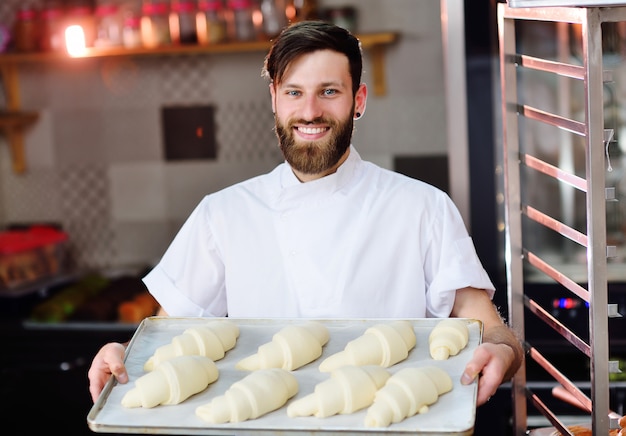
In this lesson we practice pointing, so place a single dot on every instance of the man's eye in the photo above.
(330, 92)
(293, 93)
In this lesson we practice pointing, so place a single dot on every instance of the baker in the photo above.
(326, 234)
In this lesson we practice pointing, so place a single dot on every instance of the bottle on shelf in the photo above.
(210, 22)
(183, 22)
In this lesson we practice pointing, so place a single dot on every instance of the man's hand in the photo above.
(489, 363)
(108, 361)
(500, 355)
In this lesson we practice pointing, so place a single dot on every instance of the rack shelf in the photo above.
(13, 121)
(518, 161)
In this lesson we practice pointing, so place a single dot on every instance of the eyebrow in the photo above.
(329, 84)
(336, 84)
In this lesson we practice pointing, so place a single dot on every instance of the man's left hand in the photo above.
(489, 364)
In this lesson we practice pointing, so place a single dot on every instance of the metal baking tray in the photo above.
(453, 414)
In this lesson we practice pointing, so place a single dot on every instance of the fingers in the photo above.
(487, 386)
(479, 360)
(95, 387)
(108, 361)
(488, 367)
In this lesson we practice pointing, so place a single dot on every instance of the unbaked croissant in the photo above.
(260, 392)
(172, 382)
(447, 338)
(290, 348)
(211, 340)
(382, 344)
(349, 388)
(406, 393)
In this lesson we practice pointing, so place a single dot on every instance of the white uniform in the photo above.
(364, 242)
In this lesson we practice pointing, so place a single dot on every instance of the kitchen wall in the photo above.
(96, 159)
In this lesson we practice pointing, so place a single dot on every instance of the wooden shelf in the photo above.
(368, 41)
(375, 43)
(16, 120)
(13, 121)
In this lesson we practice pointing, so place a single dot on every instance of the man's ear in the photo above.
(360, 100)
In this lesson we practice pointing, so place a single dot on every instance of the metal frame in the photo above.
(453, 42)
(592, 130)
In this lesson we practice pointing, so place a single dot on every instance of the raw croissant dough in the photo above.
(447, 338)
(381, 344)
(211, 340)
(292, 347)
(258, 393)
(406, 393)
(172, 382)
(349, 388)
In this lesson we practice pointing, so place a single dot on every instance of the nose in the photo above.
(312, 108)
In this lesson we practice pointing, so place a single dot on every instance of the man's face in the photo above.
(314, 110)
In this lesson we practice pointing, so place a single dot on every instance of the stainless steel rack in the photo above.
(516, 162)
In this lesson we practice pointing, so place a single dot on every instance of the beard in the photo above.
(315, 157)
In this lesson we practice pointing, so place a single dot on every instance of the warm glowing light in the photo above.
(75, 40)
(257, 18)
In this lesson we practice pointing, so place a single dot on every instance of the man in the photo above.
(326, 234)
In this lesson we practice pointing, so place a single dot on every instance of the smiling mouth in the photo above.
(312, 130)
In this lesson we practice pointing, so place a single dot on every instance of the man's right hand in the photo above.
(108, 361)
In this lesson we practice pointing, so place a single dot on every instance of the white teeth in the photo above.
(311, 130)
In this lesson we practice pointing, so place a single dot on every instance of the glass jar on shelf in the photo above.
(240, 22)
(210, 22)
(52, 36)
(81, 13)
(345, 16)
(108, 25)
(274, 17)
(155, 27)
(301, 10)
(26, 29)
(131, 30)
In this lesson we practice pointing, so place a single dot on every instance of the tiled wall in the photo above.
(95, 156)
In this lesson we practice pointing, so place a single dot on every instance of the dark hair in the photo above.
(306, 37)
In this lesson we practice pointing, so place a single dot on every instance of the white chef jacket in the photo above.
(364, 242)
